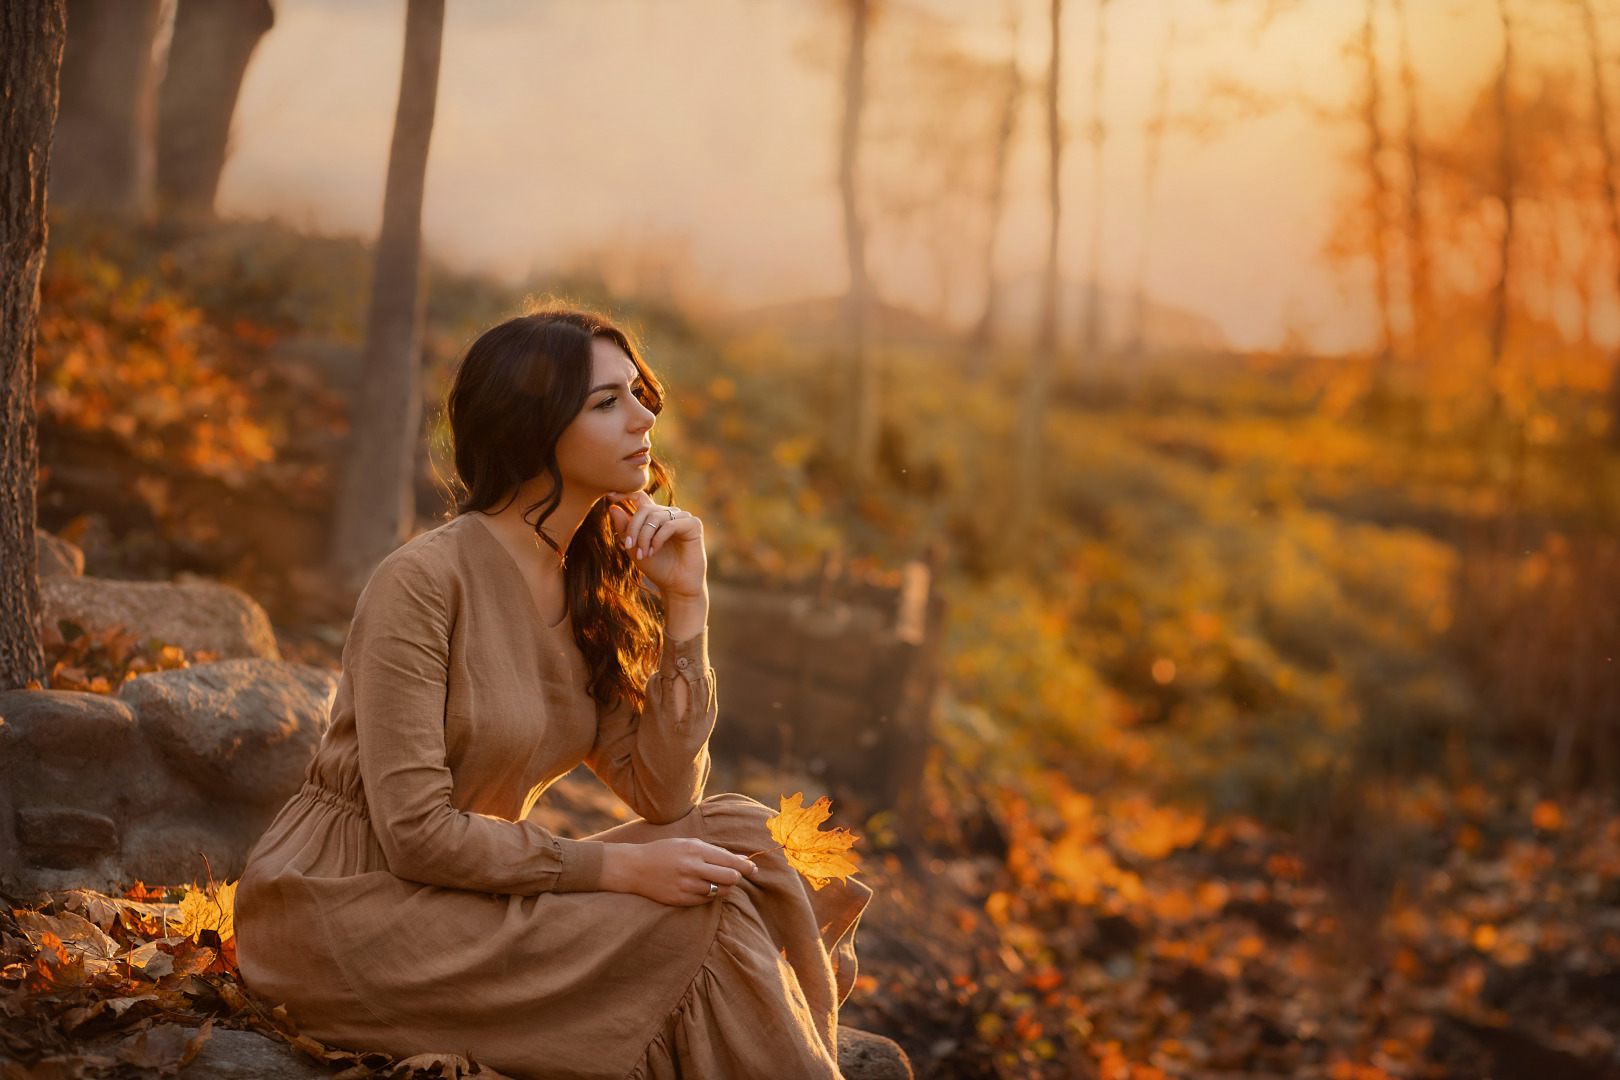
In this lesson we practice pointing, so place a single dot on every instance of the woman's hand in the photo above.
(665, 541)
(677, 871)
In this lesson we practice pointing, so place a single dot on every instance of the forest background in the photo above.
(1247, 367)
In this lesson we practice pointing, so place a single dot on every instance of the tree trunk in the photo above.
(1091, 338)
(1499, 293)
(1420, 289)
(103, 145)
(1158, 120)
(1033, 413)
(31, 37)
(866, 388)
(983, 338)
(1611, 195)
(208, 55)
(376, 509)
(1377, 194)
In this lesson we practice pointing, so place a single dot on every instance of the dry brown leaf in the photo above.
(77, 934)
(820, 856)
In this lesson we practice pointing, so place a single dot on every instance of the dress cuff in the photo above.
(689, 657)
(581, 865)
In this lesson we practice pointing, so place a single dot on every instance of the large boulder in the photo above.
(172, 780)
(57, 557)
(193, 615)
(237, 729)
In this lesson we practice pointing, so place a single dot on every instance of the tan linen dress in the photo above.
(400, 901)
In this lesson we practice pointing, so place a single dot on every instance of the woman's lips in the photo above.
(640, 457)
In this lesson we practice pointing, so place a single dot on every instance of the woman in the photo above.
(401, 902)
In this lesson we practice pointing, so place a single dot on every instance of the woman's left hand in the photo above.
(665, 541)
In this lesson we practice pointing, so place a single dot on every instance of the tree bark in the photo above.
(103, 145)
(1032, 415)
(866, 387)
(31, 37)
(208, 55)
(376, 509)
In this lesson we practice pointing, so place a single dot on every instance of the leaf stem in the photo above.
(767, 851)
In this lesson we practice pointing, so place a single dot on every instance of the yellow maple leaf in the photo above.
(819, 856)
(199, 912)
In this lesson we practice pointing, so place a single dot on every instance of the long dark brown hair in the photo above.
(517, 387)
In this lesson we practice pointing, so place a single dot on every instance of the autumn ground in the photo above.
(1227, 782)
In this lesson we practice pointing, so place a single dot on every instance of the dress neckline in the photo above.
(489, 530)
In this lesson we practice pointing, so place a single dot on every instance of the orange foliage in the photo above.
(126, 358)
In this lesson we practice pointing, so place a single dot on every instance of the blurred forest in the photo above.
(1279, 719)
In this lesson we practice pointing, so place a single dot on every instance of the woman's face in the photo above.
(608, 445)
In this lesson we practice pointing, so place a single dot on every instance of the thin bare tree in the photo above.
(208, 56)
(1097, 134)
(1419, 265)
(1377, 190)
(1032, 415)
(865, 385)
(376, 508)
(982, 340)
(31, 37)
(1506, 193)
(1153, 145)
(1611, 194)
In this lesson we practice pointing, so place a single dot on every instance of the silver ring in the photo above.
(714, 890)
(670, 512)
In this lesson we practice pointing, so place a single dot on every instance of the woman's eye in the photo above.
(607, 402)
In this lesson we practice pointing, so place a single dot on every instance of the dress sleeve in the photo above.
(657, 760)
(398, 661)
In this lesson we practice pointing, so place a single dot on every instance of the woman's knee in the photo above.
(738, 819)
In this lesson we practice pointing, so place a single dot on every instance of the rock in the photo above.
(242, 730)
(64, 836)
(65, 727)
(192, 616)
(57, 557)
(247, 1055)
(865, 1056)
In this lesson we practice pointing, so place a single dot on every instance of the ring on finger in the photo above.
(714, 890)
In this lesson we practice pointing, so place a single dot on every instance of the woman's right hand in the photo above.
(676, 871)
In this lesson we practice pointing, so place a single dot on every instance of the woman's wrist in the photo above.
(685, 614)
(619, 867)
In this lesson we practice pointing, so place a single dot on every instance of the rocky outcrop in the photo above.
(57, 557)
(236, 729)
(194, 616)
(172, 779)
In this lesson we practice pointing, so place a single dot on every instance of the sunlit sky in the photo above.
(567, 127)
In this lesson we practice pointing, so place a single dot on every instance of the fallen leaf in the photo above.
(819, 856)
(200, 911)
(76, 933)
